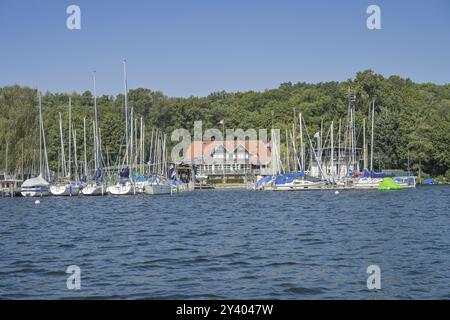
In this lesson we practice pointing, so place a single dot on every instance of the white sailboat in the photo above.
(125, 185)
(65, 186)
(39, 186)
(369, 182)
(158, 183)
(96, 186)
(158, 189)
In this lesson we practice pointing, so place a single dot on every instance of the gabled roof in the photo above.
(259, 150)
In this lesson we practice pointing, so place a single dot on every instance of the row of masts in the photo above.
(328, 160)
(136, 158)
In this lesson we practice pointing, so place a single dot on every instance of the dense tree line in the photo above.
(412, 120)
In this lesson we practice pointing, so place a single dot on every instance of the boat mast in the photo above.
(141, 152)
(294, 139)
(150, 156)
(332, 150)
(75, 153)
(94, 146)
(40, 133)
(287, 162)
(136, 145)
(63, 160)
(96, 136)
(85, 151)
(43, 153)
(6, 161)
(302, 147)
(371, 138)
(364, 144)
(339, 151)
(126, 110)
(21, 163)
(131, 142)
(70, 137)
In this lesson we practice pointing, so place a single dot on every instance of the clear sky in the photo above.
(194, 47)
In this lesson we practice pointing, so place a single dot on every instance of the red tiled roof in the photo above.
(259, 150)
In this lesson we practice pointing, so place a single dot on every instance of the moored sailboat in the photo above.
(65, 186)
(39, 186)
(94, 186)
(125, 184)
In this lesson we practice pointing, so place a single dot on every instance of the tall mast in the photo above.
(63, 160)
(43, 151)
(94, 130)
(141, 152)
(40, 133)
(96, 139)
(75, 153)
(287, 163)
(364, 144)
(150, 156)
(85, 150)
(21, 162)
(131, 142)
(320, 139)
(339, 150)
(70, 137)
(302, 148)
(294, 138)
(6, 160)
(332, 150)
(371, 138)
(136, 144)
(126, 108)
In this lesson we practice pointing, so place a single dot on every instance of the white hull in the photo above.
(158, 189)
(35, 192)
(122, 189)
(298, 185)
(367, 183)
(93, 190)
(65, 190)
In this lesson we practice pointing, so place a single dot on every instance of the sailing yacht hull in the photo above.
(367, 183)
(65, 190)
(122, 190)
(298, 185)
(158, 189)
(35, 192)
(93, 190)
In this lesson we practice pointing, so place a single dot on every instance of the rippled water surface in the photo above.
(229, 244)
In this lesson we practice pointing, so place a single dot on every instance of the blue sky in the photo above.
(196, 47)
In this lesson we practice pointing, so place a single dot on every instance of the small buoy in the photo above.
(336, 192)
(37, 202)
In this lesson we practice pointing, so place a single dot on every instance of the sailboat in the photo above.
(125, 184)
(298, 181)
(370, 180)
(65, 186)
(159, 183)
(39, 186)
(96, 186)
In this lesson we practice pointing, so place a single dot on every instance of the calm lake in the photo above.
(229, 244)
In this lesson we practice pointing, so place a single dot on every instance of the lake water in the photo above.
(229, 244)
